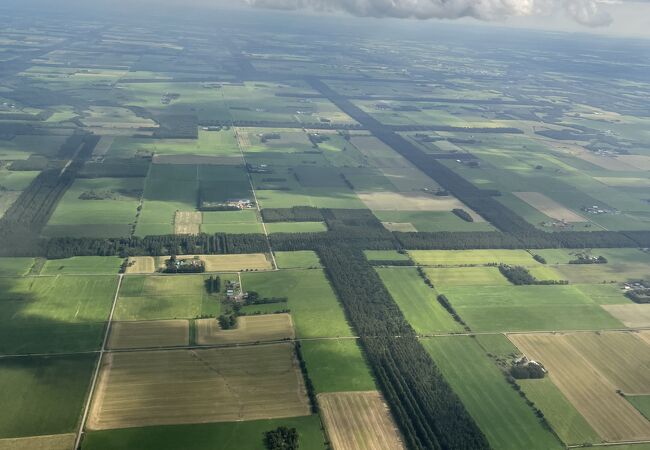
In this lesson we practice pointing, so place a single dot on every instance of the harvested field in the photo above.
(149, 334)
(187, 222)
(103, 145)
(645, 335)
(52, 442)
(236, 263)
(199, 160)
(549, 207)
(359, 421)
(585, 386)
(399, 226)
(639, 162)
(263, 328)
(632, 315)
(412, 201)
(606, 162)
(141, 264)
(198, 386)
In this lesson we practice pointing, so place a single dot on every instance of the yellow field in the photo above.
(52, 442)
(576, 366)
(632, 315)
(645, 335)
(141, 264)
(399, 226)
(235, 263)
(264, 328)
(549, 207)
(188, 222)
(198, 386)
(149, 334)
(359, 421)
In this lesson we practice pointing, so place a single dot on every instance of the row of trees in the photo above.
(519, 276)
(209, 244)
(428, 412)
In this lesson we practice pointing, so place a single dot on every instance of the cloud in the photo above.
(585, 12)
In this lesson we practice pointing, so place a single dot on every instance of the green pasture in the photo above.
(296, 227)
(417, 301)
(442, 277)
(305, 259)
(82, 265)
(314, 307)
(15, 266)
(43, 395)
(246, 435)
(337, 366)
(497, 408)
(54, 313)
(386, 255)
(528, 308)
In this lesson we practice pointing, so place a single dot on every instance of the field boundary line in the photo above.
(98, 366)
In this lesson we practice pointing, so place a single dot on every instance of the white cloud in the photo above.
(585, 12)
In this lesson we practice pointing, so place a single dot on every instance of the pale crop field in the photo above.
(187, 222)
(578, 375)
(51, 442)
(549, 207)
(632, 315)
(471, 257)
(145, 388)
(262, 328)
(235, 263)
(149, 334)
(141, 264)
(359, 421)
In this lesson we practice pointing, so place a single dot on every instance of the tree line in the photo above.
(428, 412)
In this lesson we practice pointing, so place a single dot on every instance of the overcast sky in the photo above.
(611, 17)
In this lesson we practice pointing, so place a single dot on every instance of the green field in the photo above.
(43, 395)
(247, 435)
(54, 314)
(337, 366)
(315, 309)
(82, 265)
(640, 402)
(115, 210)
(417, 301)
(465, 276)
(566, 421)
(166, 297)
(15, 266)
(306, 259)
(528, 308)
(498, 410)
(471, 257)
